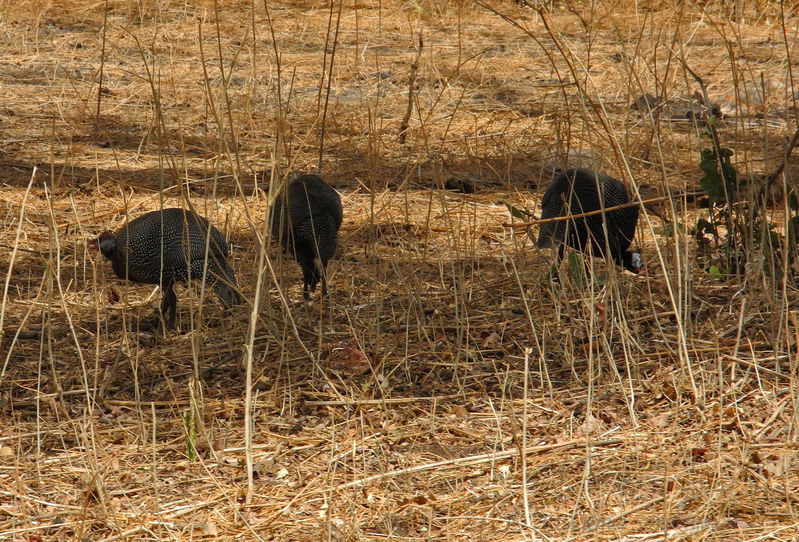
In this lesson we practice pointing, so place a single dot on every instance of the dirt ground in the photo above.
(446, 389)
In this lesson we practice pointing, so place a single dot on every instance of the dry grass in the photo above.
(493, 406)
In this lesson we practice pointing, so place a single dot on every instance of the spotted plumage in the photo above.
(578, 191)
(168, 246)
(306, 218)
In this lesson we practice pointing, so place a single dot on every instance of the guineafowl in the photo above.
(574, 192)
(306, 218)
(163, 247)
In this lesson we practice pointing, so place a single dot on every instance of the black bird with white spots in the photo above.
(578, 191)
(306, 218)
(167, 246)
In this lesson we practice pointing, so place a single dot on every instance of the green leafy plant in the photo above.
(717, 274)
(737, 230)
(704, 227)
(515, 212)
(717, 168)
(577, 269)
(718, 180)
(669, 229)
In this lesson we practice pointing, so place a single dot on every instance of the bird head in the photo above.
(106, 243)
(632, 261)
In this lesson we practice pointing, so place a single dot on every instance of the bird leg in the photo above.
(310, 275)
(169, 305)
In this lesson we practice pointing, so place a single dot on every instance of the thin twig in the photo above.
(102, 65)
(174, 515)
(583, 215)
(411, 84)
(785, 157)
(476, 460)
(329, 74)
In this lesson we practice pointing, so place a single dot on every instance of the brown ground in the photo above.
(446, 390)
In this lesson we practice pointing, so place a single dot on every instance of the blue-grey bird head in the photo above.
(106, 243)
(632, 261)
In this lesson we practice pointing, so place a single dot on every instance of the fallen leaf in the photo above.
(661, 421)
(778, 466)
(346, 359)
(113, 296)
(492, 341)
(698, 454)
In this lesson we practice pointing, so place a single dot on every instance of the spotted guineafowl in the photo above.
(574, 192)
(306, 218)
(163, 247)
